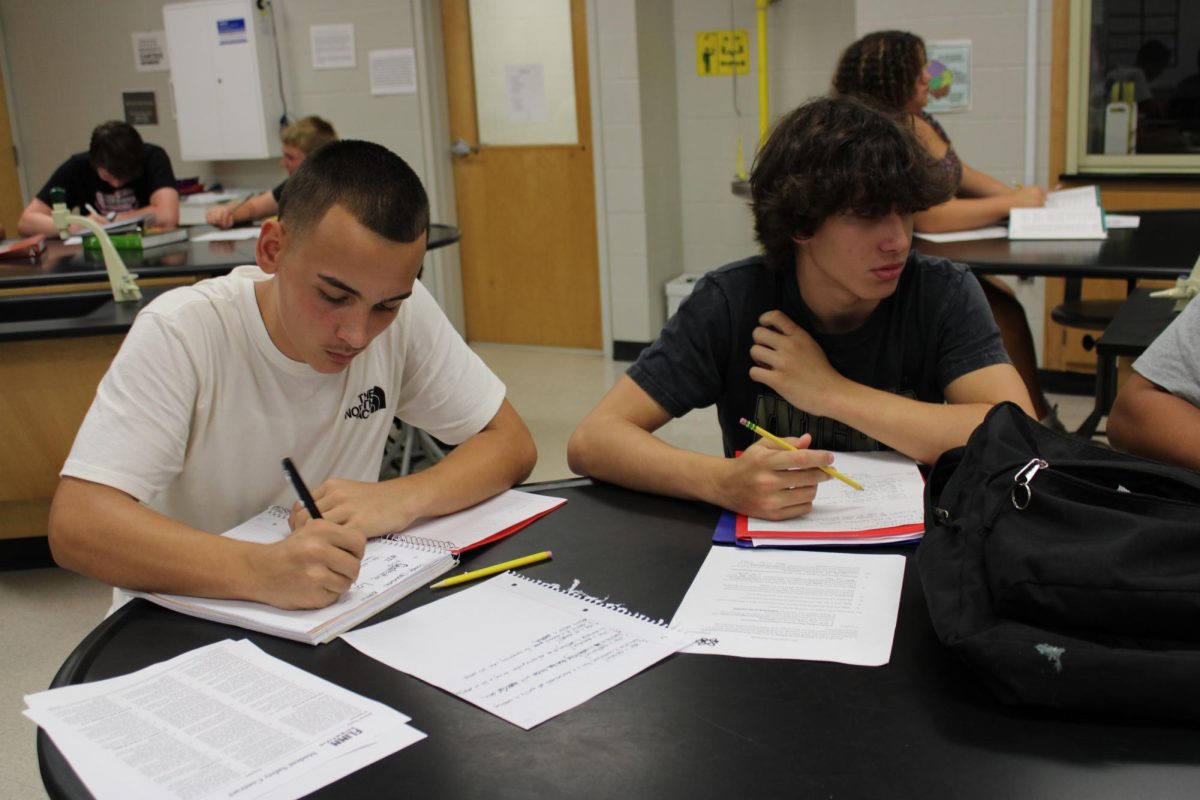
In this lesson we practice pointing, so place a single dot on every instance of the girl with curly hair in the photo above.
(888, 69)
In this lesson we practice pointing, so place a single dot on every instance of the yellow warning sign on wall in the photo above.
(722, 53)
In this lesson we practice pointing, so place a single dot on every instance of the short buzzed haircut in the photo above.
(116, 147)
(371, 182)
(833, 156)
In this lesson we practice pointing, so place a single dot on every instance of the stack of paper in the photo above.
(222, 721)
(889, 509)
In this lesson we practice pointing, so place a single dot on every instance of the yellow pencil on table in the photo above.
(846, 479)
(492, 570)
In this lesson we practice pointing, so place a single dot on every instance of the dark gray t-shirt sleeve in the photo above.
(967, 335)
(685, 367)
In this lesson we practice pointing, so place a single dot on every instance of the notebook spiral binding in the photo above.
(603, 602)
(421, 543)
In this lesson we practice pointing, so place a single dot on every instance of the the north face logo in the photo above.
(368, 403)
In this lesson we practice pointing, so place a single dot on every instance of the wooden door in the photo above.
(530, 266)
(10, 186)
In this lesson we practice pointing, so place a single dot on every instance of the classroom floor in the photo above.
(46, 612)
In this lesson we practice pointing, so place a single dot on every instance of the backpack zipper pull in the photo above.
(1021, 494)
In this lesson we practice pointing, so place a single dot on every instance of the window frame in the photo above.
(1078, 160)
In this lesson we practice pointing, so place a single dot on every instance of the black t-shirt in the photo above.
(277, 192)
(83, 185)
(935, 328)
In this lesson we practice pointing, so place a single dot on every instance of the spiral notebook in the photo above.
(392, 567)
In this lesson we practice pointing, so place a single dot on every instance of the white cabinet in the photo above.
(224, 81)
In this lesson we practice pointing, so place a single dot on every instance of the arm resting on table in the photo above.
(1149, 421)
(616, 443)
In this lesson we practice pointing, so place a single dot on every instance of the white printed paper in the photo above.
(332, 46)
(150, 51)
(230, 235)
(222, 721)
(393, 71)
(794, 604)
(990, 232)
(523, 650)
(526, 85)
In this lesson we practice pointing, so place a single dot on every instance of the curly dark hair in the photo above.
(881, 68)
(833, 155)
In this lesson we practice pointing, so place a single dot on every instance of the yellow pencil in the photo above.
(846, 479)
(492, 570)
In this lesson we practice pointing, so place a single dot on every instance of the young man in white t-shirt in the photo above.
(308, 355)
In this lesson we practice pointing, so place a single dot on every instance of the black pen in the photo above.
(293, 476)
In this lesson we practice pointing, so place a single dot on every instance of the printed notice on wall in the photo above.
(231, 31)
(150, 51)
(332, 46)
(949, 75)
(393, 71)
(526, 92)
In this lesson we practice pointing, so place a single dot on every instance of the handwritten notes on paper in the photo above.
(521, 649)
(221, 721)
(794, 604)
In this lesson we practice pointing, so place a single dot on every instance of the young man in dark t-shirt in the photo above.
(839, 335)
(120, 176)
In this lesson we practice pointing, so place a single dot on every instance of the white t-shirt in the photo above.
(200, 407)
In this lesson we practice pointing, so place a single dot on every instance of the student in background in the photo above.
(300, 139)
(120, 176)
(839, 335)
(309, 354)
(1157, 412)
(888, 69)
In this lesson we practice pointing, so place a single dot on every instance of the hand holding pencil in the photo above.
(846, 479)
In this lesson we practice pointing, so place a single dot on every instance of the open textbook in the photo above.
(393, 566)
(1068, 214)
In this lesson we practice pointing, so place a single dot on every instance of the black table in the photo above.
(695, 726)
(61, 264)
(1164, 245)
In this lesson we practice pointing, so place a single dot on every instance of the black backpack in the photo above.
(1066, 574)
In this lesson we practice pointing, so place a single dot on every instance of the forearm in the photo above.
(963, 213)
(104, 533)
(1153, 423)
(920, 430)
(611, 448)
(32, 223)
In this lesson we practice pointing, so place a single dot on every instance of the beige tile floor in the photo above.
(46, 612)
